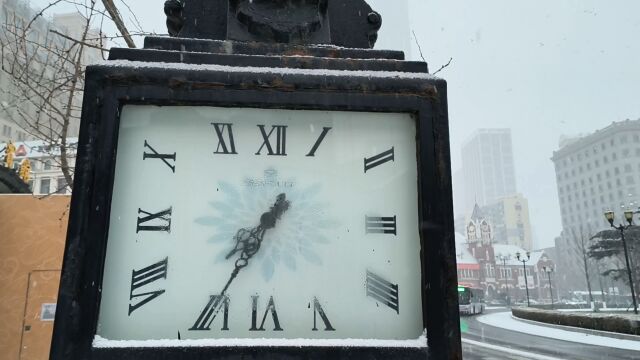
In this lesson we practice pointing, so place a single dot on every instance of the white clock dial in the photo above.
(263, 223)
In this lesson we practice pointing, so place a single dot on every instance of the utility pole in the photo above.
(506, 280)
(629, 217)
(524, 270)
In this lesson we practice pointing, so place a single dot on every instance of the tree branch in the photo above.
(115, 16)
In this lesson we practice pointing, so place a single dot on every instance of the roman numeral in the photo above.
(163, 222)
(317, 309)
(281, 140)
(164, 157)
(208, 314)
(325, 130)
(380, 225)
(271, 308)
(383, 291)
(226, 144)
(145, 276)
(370, 163)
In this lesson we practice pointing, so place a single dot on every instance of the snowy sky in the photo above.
(542, 68)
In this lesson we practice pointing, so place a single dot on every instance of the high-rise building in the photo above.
(488, 167)
(20, 110)
(594, 173)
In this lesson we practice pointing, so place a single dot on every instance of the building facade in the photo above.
(496, 268)
(488, 168)
(594, 173)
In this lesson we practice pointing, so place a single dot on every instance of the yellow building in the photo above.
(509, 220)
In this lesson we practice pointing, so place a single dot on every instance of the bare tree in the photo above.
(45, 63)
(580, 242)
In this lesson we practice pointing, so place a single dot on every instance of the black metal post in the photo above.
(550, 288)
(526, 283)
(506, 280)
(626, 258)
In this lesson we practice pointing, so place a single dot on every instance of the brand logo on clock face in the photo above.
(241, 206)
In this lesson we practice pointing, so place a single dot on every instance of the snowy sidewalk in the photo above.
(505, 320)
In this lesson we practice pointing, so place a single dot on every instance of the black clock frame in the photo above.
(111, 86)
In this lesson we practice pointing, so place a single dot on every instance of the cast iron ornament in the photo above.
(282, 21)
(346, 23)
(173, 11)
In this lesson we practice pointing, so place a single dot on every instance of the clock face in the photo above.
(262, 223)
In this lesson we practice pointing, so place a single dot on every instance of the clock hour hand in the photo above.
(248, 240)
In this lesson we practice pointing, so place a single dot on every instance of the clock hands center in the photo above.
(248, 240)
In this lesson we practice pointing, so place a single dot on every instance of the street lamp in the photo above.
(524, 270)
(504, 271)
(549, 270)
(628, 215)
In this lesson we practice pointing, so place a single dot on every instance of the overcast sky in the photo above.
(542, 68)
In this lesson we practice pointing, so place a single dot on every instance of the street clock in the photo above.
(260, 200)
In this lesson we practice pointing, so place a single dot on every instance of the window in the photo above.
(6, 130)
(614, 156)
(630, 180)
(45, 186)
(47, 165)
(62, 184)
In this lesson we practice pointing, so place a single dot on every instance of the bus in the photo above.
(470, 300)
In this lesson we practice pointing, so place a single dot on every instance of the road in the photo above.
(484, 342)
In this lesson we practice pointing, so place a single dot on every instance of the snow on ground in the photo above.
(505, 320)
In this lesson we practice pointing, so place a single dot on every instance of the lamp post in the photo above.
(524, 271)
(504, 271)
(549, 270)
(628, 215)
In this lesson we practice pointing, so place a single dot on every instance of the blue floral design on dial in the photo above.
(298, 234)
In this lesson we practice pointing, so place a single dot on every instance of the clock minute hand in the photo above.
(248, 240)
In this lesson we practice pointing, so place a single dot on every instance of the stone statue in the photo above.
(347, 23)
